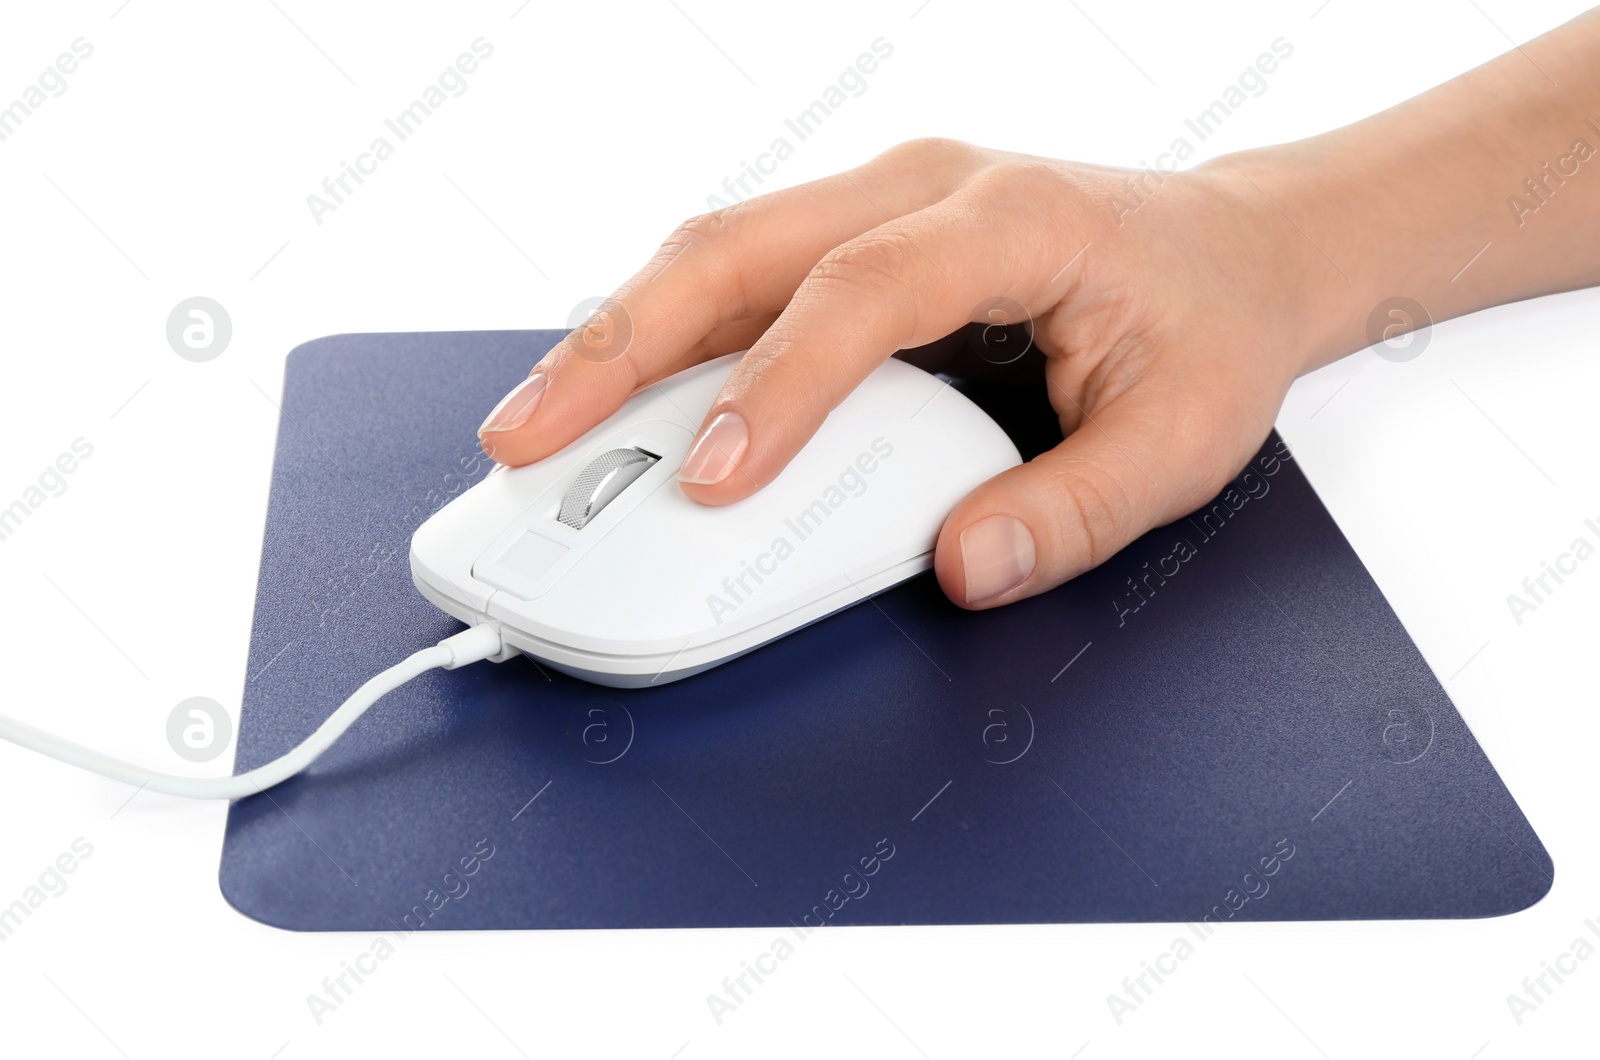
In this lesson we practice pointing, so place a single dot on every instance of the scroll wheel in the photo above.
(606, 476)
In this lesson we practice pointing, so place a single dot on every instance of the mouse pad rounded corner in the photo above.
(1226, 721)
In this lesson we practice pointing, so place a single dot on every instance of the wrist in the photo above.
(1319, 279)
(1474, 194)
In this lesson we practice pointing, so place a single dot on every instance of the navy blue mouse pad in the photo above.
(1226, 721)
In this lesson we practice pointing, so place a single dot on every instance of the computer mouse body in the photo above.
(594, 562)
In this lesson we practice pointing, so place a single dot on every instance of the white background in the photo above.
(178, 163)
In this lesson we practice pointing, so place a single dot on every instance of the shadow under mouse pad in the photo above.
(1226, 720)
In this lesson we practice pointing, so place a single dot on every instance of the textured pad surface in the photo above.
(1242, 731)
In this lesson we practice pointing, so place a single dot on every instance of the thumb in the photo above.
(1136, 464)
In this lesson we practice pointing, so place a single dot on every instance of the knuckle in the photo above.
(874, 261)
(714, 235)
(1023, 176)
(702, 230)
(929, 148)
(771, 378)
(769, 369)
(1098, 508)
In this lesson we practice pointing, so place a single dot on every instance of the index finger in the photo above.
(715, 276)
(905, 283)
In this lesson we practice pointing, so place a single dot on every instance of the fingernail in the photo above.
(997, 555)
(716, 452)
(516, 408)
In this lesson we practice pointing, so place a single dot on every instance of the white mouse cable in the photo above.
(469, 646)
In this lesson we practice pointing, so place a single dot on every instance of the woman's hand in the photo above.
(1172, 310)
(1167, 309)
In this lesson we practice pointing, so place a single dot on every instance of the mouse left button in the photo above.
(598, 484)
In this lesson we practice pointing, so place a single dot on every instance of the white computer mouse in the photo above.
(594, 562)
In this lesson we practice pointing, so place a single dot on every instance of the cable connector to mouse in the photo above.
(473, 645)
